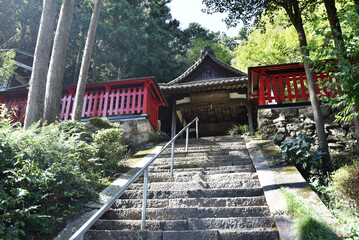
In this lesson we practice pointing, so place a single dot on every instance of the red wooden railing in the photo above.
(127, 97)
(285, 84)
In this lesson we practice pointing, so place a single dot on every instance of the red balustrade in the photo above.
(127, 97)
(285, 84)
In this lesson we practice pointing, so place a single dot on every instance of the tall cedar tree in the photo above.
(251, 10)
(339, 43)
(57, 63)
(36, 95)
(81, 84)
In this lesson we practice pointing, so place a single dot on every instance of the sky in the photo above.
(187, 11)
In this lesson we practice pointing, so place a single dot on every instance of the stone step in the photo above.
(186, 224)
(198, 185)
(179, 173)
(205, 163)
(244, 157)
(191, 202)
(200, 177)
(237, 234)
(185, 213)
(152, 235)
(193, 167)
(199, 193)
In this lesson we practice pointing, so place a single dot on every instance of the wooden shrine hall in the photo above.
(212, 90)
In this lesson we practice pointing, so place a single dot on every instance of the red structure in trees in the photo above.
(285, 83)
(110, 99)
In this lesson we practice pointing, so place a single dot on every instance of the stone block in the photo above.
(331, 125)
(269, 130)
(268, 113)
(264, 122)
(291, 127)
(281, 130)
(305, 112)
(338, 132)
(279, 120)
(289, 112)
(326, 110)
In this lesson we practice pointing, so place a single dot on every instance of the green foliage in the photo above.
(345, 182)
(48, 174)
(99, 122)
(238, 129)
(308, 222)
(108, 151)
(222, 52)
(275, 41)
(7, 66)
(41, 183)
(343, 72)
(300, 153)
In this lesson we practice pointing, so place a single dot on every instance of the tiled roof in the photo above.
(196, 64)
(240, 81)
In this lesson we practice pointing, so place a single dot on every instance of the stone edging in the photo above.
(272, 179)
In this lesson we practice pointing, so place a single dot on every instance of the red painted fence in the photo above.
(127, 97)
(285, 83)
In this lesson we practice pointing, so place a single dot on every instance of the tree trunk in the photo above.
(57, 63)
(296, 19)
(78, 59)
(35, 102)
(334, 24)
(81, 84)
(339, 43)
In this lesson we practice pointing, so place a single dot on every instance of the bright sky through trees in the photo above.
(187, 11)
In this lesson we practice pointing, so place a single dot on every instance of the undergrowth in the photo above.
(48, 173)
(308, 223)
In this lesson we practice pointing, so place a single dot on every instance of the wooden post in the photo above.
(250, 117)
(173, 128)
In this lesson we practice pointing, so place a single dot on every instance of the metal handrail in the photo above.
(78, 235)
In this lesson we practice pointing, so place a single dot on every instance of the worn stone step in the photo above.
(152, 235)
(185, 213)
(243, 158)
(202, 164)
(186, 224)
(248, 234)
(199, 172)
(199, 177)
(199, 193)
(198, 185)
(238, 234)
(191, 202)
(193, 167)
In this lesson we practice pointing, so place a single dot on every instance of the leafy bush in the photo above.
(238, 130)
(108, 151)
(310, 162)
(48, 174)
(99, 122)
(345, 182)
(41, 183)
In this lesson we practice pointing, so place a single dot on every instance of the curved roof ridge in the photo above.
(199, 61)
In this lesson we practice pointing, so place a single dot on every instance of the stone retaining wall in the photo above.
(286, 124)
(138, 133)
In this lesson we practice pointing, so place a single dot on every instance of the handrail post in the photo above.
(144, 202)
(187, 133)
(197, 128)
(172, 157)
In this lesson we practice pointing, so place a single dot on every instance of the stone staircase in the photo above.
(214, 194)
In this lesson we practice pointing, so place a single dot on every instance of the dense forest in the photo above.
(135, 38)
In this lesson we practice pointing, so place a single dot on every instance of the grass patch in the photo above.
(308, 223)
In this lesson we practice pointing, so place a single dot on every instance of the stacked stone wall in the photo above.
(138, 133)
(287, 123)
